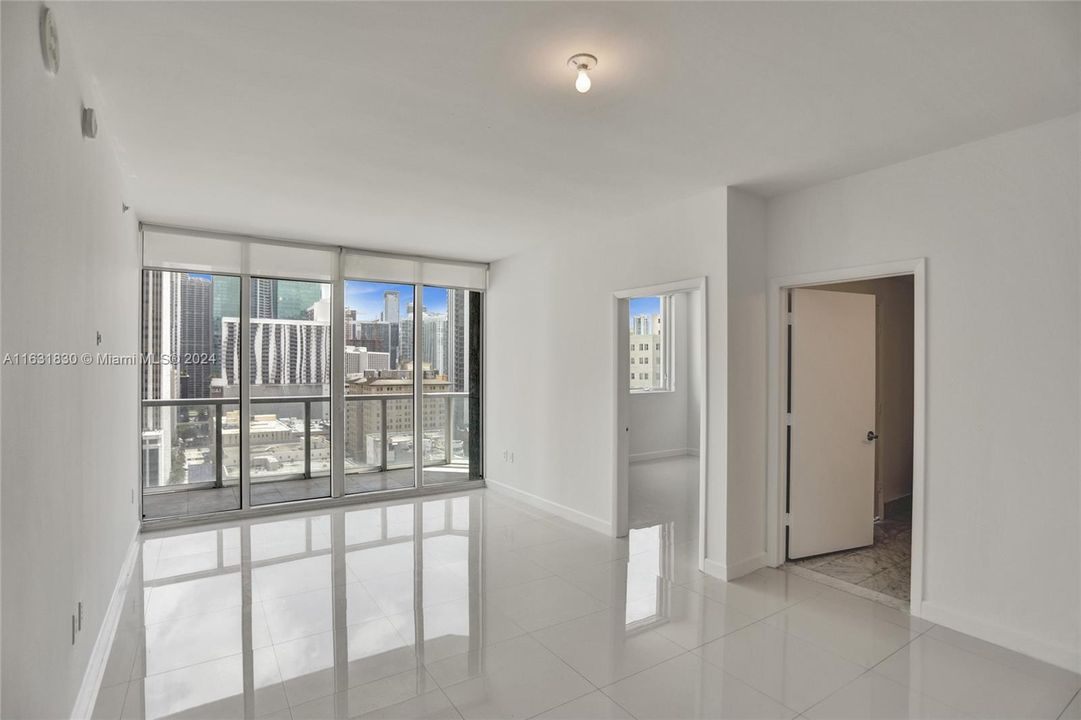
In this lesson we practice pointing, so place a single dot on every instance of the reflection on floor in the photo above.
(665, 491)
(473, 605)
(209, 500)
(884, 567)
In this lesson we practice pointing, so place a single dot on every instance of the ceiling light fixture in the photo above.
(583, 63)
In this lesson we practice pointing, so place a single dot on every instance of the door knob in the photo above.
(871, 435)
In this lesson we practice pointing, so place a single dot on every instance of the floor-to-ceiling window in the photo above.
(378, 379)
(189, 430)
(279, 372)
(450, 333)
(289, 378)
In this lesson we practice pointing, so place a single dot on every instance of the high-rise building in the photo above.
(196, 335)
(226, 303)
(391, 306)
(457, 337)
(434, 342)
(264, 298)
(405, 338)
(378, 336)
(642, 325)
(285, 352)
(647, 368)
(293, 298)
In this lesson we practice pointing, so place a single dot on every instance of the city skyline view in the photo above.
(649, 306)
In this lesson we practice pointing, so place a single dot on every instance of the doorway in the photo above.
(660, 388)
(847, 430)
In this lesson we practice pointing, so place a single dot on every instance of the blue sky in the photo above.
(367, 298)
(644, 306)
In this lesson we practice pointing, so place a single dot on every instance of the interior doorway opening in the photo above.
(849, 416)
(660, 388)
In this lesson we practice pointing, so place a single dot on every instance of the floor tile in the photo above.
(565, 554)
(128, 643)
(687, 687)
(187, 641)
(613, 582)
(760, 593)
(1073, 710)
(367, 698)
(864, 607)
(694, 620)
(603, 649)
(455, 627)
(432, 705)
(848, 629)
(293, 577)
(397, 593)
(792, 671)
(523, 614)
(1017, 661)
(973, 683)
(594, 706)
(210, 689)
(110, 702)
(548, 601)
(874, 697)
(503, 569)
(319, 665)
(517, 678)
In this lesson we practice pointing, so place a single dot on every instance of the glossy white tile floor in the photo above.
(475, 606)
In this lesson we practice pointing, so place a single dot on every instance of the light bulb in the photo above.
(583, 83)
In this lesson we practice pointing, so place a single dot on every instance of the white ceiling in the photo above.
(454, 129)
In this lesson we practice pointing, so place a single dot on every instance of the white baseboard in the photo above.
(661, 454)
(1060, 655)
(726, 572)
(99, 655)
(567, 513)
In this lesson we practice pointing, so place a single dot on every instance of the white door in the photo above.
(832, 455)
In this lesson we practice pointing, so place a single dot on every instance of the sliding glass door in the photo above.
(289, 354)
(378, 379)
(188, 449)
(450, 334)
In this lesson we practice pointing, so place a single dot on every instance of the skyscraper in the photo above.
(457, 314)
(196, 337)
(225, 290)
(293, 298)
(284, 352)
(391, 306)
(264, 298)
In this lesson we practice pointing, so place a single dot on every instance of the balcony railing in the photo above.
(218, 404)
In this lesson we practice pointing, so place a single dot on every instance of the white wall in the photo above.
(746, 382)
(551, 354)
(997, 221)
(659, 419)
(69, 459)
(695, 372)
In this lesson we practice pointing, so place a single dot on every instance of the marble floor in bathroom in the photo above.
(884, 567)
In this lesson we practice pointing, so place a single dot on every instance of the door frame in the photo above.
(622, 395)
(777, 388)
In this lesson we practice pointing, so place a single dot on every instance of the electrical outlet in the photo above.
(79, 624)
(506, 455)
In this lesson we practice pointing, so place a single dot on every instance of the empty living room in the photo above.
(556, 360)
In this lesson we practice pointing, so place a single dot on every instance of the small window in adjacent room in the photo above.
(651, 344)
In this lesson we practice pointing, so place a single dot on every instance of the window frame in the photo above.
(667, 352)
